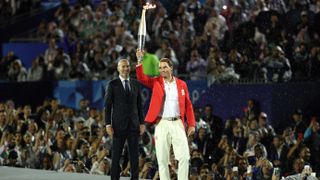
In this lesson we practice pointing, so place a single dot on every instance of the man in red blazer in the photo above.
(170, 107)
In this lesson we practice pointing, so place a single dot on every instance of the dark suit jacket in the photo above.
(273, 156)
(124, 112)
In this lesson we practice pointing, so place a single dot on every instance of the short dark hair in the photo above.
(166, 60)
(13, 155)
(279, 137)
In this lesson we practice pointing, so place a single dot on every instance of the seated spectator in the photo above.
(273, 32)
(204, 172)
(305, 174)
(214, 171)
(254, 145)
(196, 66)
(301, 62)
(3, 121)
(242, 167)
(298, 123)
(7, 146)
(17, 72)
(79, 70)
(46, 163)
(68, 167)
(12, 159)
(218, 71)
(277, 5)
(202, 142)
(60, 65)
(196, 159)
(83, 110)
(265, 130)
(300, 171)
(264, 171)
(51, 52)
(35, 72)
(235, 137)
(214, 121)
(239, 63)
(213, 65)
(297, 166)
(304, 153)
(312, 140)
(276, 67)
(304, 30)
(219, 21)
(166, 51)
(5, 64)
(199, 121)
(277, 153)
(101, 167)
(288, 136)
(98, 67)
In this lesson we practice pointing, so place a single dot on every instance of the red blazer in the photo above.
(156, 103)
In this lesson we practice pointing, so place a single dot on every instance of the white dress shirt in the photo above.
(171, 102)
(123, 82)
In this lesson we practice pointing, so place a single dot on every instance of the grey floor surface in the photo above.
(9, 173)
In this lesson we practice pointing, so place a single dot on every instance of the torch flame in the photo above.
(142, 27)
(149, 6)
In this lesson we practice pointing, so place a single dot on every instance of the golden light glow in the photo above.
(149, 6)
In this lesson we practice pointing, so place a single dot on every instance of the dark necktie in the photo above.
(126, 86)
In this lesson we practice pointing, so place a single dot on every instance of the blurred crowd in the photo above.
(12, 8)
(64, 139)
(221, 41)
(218, 41)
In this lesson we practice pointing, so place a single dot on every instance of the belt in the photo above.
(171, 118)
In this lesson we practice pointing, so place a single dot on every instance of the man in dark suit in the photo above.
(124, 118)
(277, 153)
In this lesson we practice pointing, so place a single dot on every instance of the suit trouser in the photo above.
(167, 133)
(117, 148)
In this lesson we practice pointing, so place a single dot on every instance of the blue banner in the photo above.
(71, 92)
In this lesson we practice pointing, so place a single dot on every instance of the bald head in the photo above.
(123, 60)
(124, 68)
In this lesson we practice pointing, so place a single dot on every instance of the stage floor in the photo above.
(9, 173)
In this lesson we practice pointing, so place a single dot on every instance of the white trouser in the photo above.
(167, 133)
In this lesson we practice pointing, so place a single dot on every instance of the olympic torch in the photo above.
(142, 27)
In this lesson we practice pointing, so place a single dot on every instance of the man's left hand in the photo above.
(142, 128)
(191, 131)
